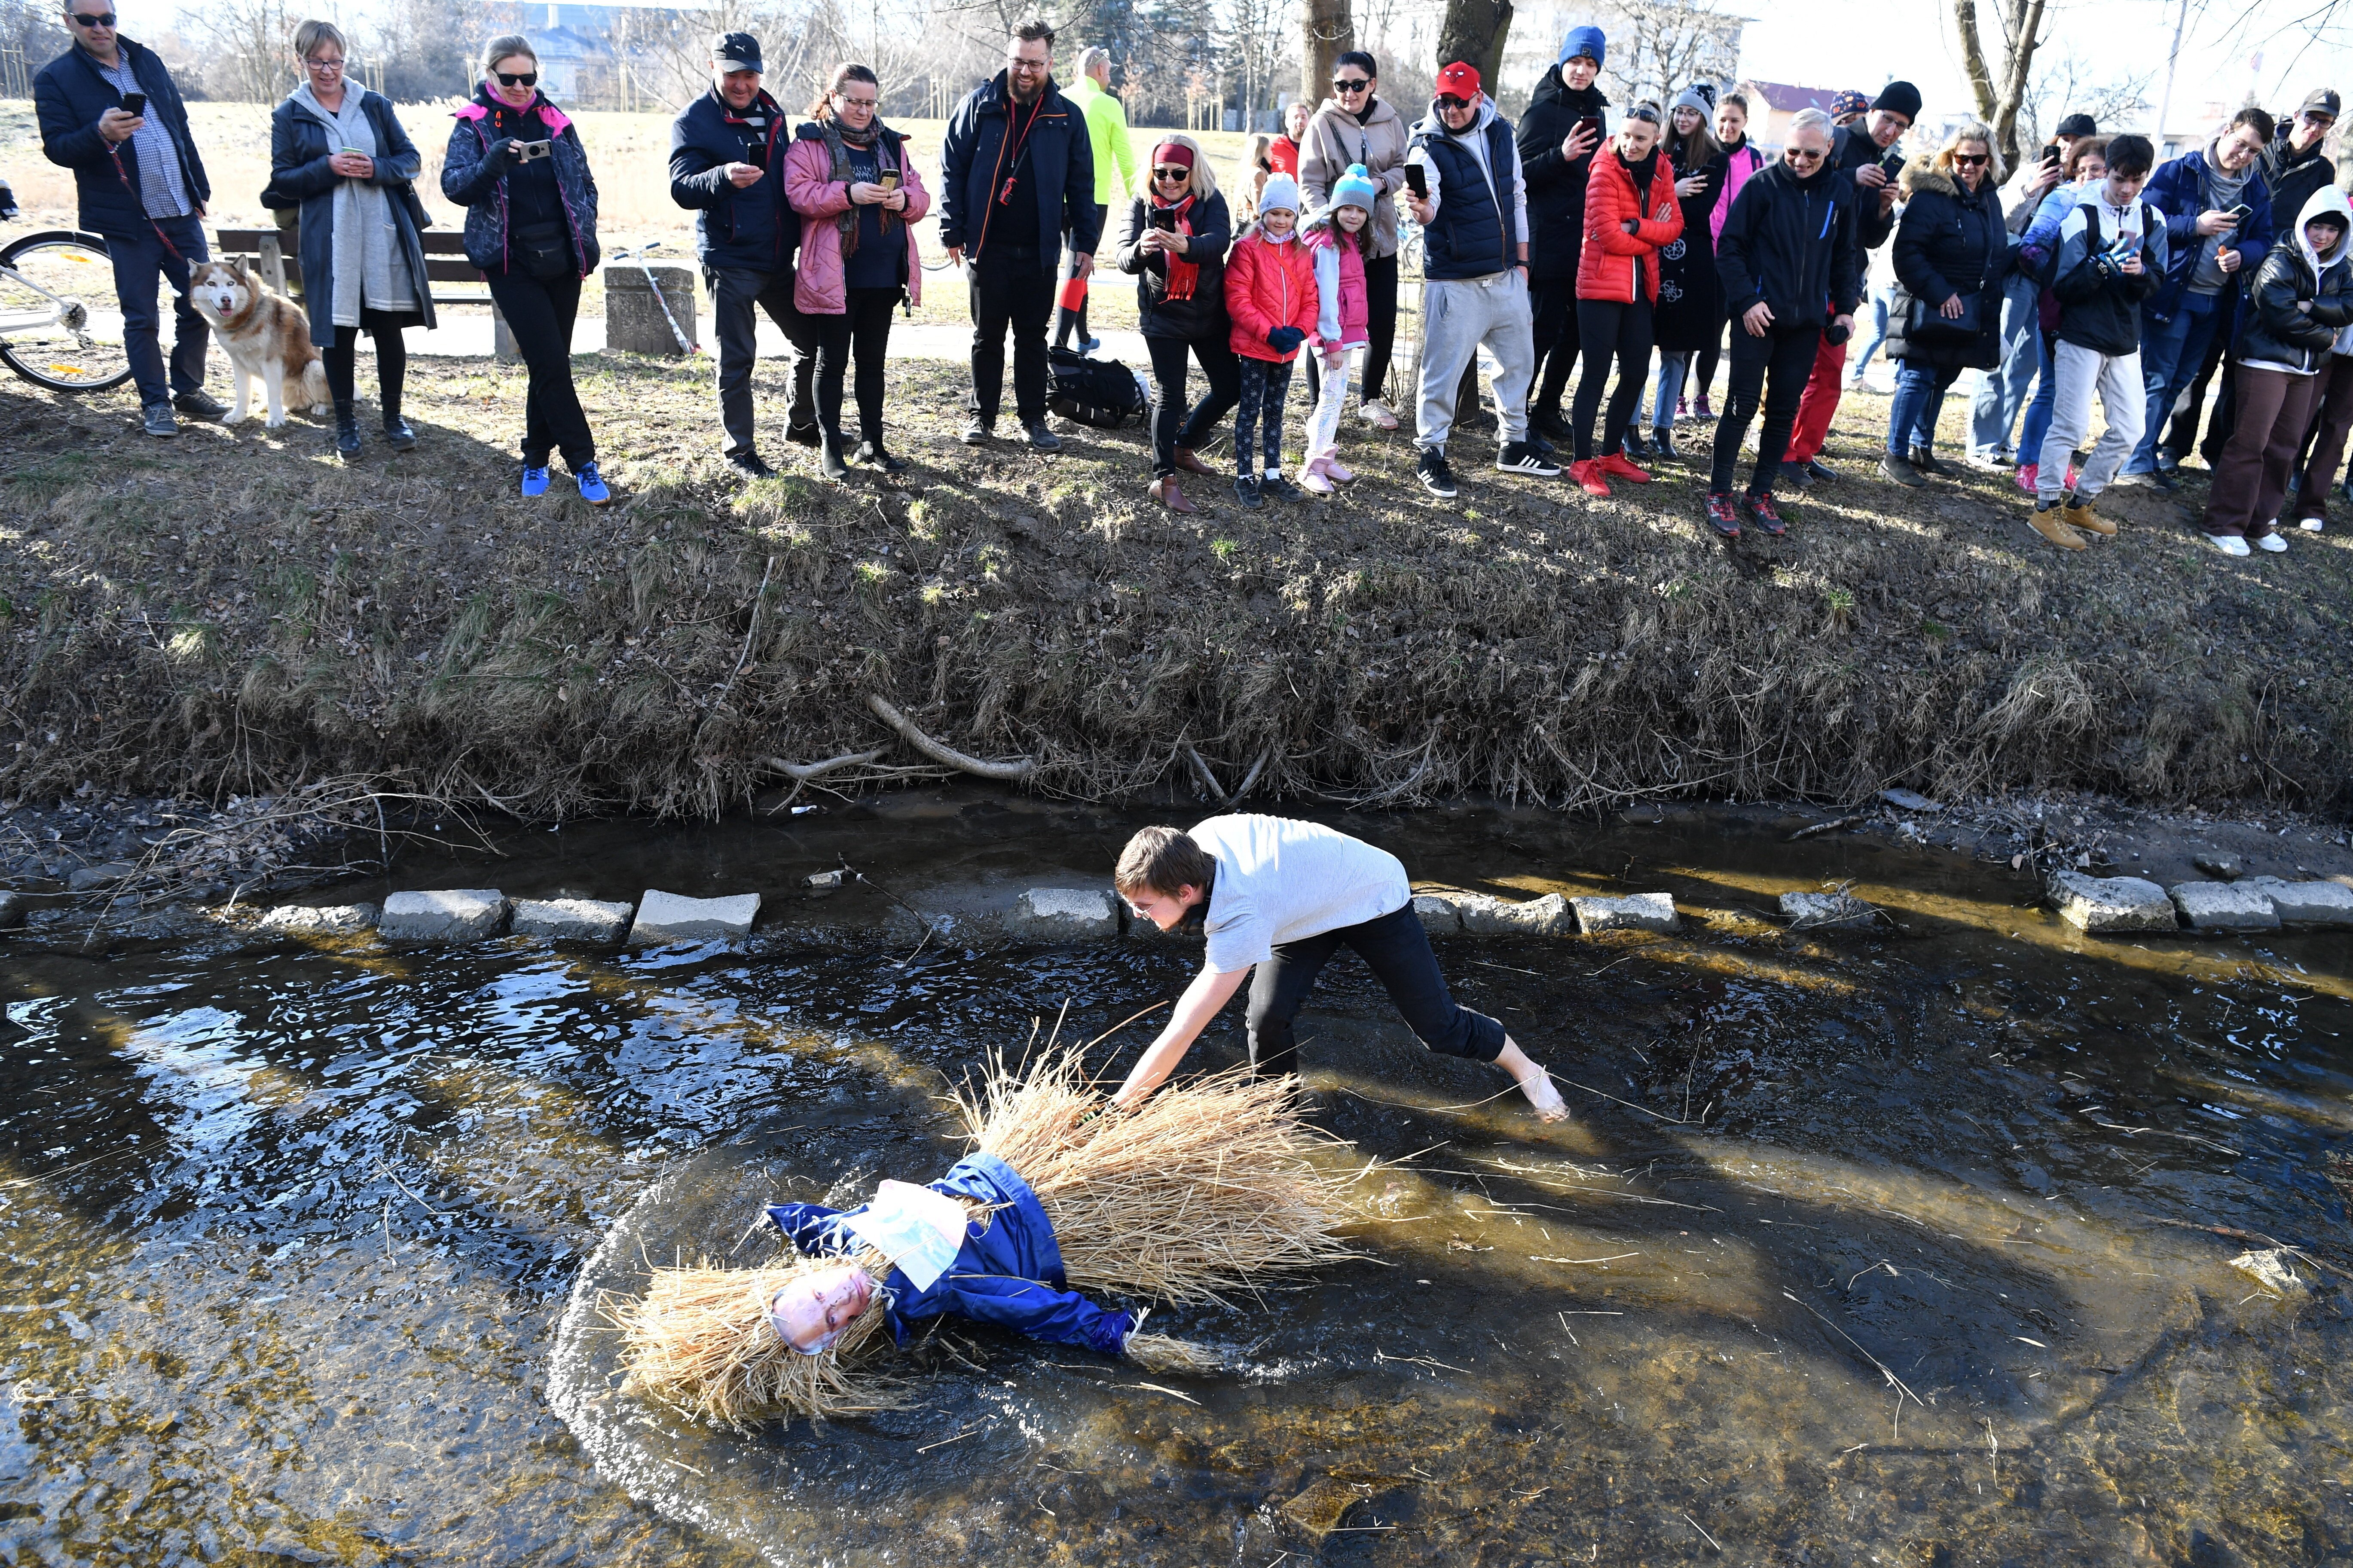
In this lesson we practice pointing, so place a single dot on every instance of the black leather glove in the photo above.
(1834, 334)
(1282, 339)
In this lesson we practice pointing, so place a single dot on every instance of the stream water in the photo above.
(1861, 1248)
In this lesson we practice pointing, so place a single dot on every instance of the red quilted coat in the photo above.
(1611, 260)
(1268, 286)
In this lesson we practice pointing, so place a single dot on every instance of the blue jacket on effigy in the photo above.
(1009, 1272)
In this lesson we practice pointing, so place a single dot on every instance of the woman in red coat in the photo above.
(1630, 215)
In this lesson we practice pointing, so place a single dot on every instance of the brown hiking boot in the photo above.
(2045, 521)
(2078, 513)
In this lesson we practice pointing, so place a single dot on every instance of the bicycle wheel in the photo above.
(61, 326)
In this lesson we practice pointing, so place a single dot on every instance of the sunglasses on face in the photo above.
(103, 19)
(1172, 173)
(1448, 100)
(1350, 83)
(518, 79)
(1799, 155)
(1972, 159)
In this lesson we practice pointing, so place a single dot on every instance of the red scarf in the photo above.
(1182, 274)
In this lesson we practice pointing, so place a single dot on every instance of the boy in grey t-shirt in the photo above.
(1277, 898)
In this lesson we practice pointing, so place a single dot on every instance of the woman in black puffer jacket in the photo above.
(2301, 295)
(1951, 255)
(1175, 242)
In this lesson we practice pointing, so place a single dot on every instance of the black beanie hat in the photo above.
(1899, 98)
(2077, 125)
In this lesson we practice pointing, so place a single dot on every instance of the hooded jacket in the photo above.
(2100, 309)
(2277, 334)
(1741, 164)
(300, 143)
(2178, 190)
(1209, 233)
(1009, 1272)
(1334, 139)
(820, 287)
(979, 157)
(70, 96)
(1790, 243)
(1611, 264)
(1481, 218)
(1343, 313)
(1948, 242)
(751, 226)
(1269, 284)
(1555, 185)
(476, 179)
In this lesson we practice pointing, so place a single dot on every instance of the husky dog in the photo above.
(266, 334)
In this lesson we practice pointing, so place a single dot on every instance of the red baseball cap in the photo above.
(1460, 79)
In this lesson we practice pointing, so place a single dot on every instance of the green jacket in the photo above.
(1107, 128)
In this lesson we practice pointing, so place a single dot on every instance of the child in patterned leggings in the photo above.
(1272, 298)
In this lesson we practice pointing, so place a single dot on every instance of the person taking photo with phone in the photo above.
(515, 164)
(111, 112)
(1173, 243)
(1561, 132)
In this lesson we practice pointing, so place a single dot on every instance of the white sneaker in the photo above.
(2275, 542)
(1378, 415)
(2228, 544)
(1991, 462)
(2311, 525)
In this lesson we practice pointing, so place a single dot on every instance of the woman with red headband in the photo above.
(1175, 242)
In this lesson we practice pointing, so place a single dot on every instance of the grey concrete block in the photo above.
(1637, 911)
(2328, 905)
(446, 914)
(1809, 912)
(328, 920)
(570, 920)
(1438, 913)
(105, 876)
(12, 910)
(668, 917)
(2106, 904)
(1547, 916)
(1063, 914)
(2224, 906)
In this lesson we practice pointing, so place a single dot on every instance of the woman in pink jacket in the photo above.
(859, 198)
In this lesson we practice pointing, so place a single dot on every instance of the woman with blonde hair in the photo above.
(1175, 242)
(1952, 252)
(338, 153)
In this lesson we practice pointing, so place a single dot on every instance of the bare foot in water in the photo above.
(1535, 1082)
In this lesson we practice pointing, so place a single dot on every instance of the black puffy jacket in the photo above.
(1948, 242)
(1203, 315)
(1555, 185)
(2275, 331)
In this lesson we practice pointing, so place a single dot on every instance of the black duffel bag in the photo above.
(1102, 393)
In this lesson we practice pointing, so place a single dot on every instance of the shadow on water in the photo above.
(1861, 1245)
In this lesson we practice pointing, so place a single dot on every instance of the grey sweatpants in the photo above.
(2081, 372)
(1460, 315)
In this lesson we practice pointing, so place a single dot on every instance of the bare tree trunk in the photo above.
(1474, 31)
(1999, 97)
(1331, 32)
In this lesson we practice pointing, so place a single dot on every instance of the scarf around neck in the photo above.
(1183, 275)
(839, 140)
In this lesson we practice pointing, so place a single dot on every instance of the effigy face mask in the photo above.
(814, 1310)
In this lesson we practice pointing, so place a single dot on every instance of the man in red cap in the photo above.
(1473, 212)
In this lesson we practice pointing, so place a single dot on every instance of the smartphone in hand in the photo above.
(134, 103)
(1164, 221)
(1417, 181)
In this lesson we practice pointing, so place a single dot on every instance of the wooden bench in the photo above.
(276, 253)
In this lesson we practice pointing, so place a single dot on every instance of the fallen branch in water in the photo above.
(808, 770)
(1819, 827)
(944, 754)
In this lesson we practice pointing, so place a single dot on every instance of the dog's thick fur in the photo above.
(266, 334)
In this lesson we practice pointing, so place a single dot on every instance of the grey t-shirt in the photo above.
(1282, 880)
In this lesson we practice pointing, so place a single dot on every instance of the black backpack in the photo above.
(1099, 392)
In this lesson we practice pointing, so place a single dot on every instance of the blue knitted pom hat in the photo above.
(1354, 189)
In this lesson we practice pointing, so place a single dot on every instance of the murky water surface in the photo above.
(1862, 1249)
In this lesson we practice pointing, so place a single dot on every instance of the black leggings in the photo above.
(1219, 364)
(1380, 332)
(1396, 949)
(391, 363)
(1702, 371)
(1610, 330)
(539, 313)
(1266, 387)
(862, 331)
(1778, 363)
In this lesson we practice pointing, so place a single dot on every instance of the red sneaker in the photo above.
(1765, 514)
(2027, 473)
(1588, 474)
(1723, 516)
(1618, 465)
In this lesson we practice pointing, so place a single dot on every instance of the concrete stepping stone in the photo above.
(670, 917)
(570, 920)
(2327, 906)
(323, 920)
(1813, 911)
(1438, 913)
(2104, 904)
(447, 914)
(1637, 911)
(1548, 916)
(1063, 914)
(12, 910)
(2224, 906)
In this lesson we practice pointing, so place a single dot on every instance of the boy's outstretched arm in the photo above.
(1209, 992)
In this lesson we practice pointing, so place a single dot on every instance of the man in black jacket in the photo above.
(1557, 137)
(1862, 155)
(142, 189)
(1017, 178)
(1787, 245)
(727, 166)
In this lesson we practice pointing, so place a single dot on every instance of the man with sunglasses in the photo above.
(141, 188)
(726, 166)
(1357, 125)
(1017, 182)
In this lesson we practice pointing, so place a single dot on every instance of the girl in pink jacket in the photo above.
(859, 198)
(1338, 238)
(1271, 298)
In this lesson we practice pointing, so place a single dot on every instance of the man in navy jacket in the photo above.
(1017, 176)
(727, 166)
(142, 190)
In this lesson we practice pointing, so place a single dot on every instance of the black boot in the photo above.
(1066, 321)
(397, 434)
(871, 453)
(347, 430)
(829, 456)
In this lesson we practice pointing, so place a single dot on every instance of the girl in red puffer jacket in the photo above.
(1271, 296)
(1630, 215)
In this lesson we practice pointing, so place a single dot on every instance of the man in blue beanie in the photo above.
(1557, 136)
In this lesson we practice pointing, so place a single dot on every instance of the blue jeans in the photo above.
(1919, 401)
(1858, 363)
(1669, 389)
(2171, 352)
(141, 265)
(2038, 412)
(2001, 392)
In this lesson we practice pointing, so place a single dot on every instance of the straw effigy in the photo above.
(1205, 1191)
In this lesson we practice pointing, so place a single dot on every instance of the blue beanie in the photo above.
(1354, 189)
(1585, 41)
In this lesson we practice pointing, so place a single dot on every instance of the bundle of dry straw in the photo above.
(1207, 1190)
